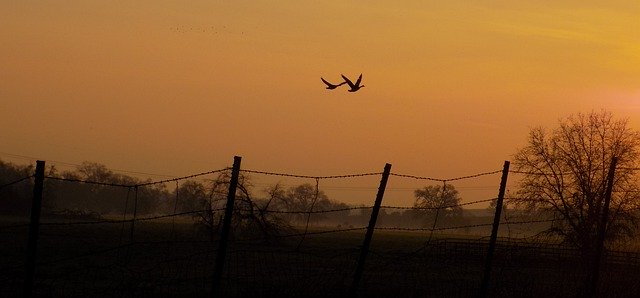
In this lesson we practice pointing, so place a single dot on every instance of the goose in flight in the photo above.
(354, 87)
(332, 86)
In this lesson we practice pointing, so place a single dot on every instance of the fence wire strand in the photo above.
(136, 184)
(448, 179)
(15, 182)
(311, 177)
(116, 221)
(89, 182)
(184, 177)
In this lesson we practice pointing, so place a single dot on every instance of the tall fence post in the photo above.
(226, 226)
(602, 230)
(353, 291)
(486, 278)
(34, 226)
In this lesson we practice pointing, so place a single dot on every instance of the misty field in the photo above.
(165, 258)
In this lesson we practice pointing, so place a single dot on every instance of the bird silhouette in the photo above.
(332, 86)
(354, 87)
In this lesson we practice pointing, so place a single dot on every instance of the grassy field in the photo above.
(168, 259)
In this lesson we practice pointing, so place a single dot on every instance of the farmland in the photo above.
(169, 257)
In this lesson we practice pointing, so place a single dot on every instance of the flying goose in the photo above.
(354, 87)
(332, 86)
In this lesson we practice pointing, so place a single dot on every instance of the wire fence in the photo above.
(283, 247)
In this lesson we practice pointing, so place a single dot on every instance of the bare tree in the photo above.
(250, 215)
(190, 196)
(566, 172)
(302, 199)
(435, 201)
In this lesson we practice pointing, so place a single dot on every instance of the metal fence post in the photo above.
(486, 278)
(226, 226)
(34, 226)
(353, 291)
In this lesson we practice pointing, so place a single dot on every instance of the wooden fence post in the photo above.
(226, 226)
(486, 278)
(34, 226)
(602, 230)
(353, 291)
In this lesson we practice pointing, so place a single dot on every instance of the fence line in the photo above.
(260, 210)
(116, 221)
(288, 235)
(309, 176)
(90, 182)
(249, 240)
(440, 207)
(434, 229)
(449, 179)
(16, 181)
(266, 211)
(183, 177)
(137, 184)
(307, 233)
(298, 234)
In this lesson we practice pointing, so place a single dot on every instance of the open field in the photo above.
(163, 258)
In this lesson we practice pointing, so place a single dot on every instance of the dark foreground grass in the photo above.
(169, 259)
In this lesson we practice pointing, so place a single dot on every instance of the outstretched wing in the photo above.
(359, 80)
(325, 81)
(346, 80)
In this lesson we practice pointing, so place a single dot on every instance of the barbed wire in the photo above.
(311, 177)
(136, 184)
(439, 207)
(114, 221)
(321, 211)
(528, 221)
(366, 207)
(448, 179)
(321, 232)
(279, 174)
(535, 173)
(183, 177)
(434, 229)
(311, 212)
(308, 233)
(90, 182)
(462, 226)
(108, 221)
(540, 173)
(15, 182)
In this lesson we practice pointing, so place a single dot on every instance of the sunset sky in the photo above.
(175, 87)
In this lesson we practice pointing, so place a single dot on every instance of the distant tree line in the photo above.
(268, 211)
(67, 195)
(564, 169)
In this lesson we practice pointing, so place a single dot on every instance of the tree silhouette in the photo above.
(436, 201)
(566, 172)
(250, 217)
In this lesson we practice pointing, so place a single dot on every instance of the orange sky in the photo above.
(452, 87)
